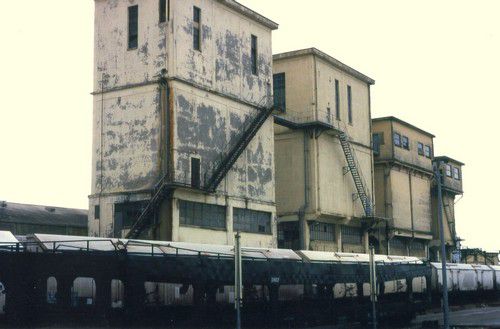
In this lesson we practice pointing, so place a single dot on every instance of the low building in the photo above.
(403, 157)
(479, 256)
(23, 219)
(323, 155)
(451, 187)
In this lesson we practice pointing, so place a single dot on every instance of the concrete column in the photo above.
(229, 223)
(175, 219)
(338, 236)
(366, 242)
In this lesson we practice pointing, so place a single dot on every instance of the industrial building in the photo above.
(183, 141)
(24, 219)
(324, 161)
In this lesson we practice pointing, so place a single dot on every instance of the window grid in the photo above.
(397, 139)
(279, 90)
(376, 143)
(420, 148)
(427, 151)
(251, 221)
(448, 170)
(202, 214)
(405, 142)
(322, 232)
(456, 173)
(351, 235)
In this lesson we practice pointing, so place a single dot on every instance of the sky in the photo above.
(436, 65)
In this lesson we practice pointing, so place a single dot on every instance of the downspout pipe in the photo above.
(305, 206)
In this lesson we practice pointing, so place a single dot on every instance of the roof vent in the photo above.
(3, 204)
(50, 209)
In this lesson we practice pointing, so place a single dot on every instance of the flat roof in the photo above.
(447, 159)
(404, 123)
(42, 215)
(245, 11)
(329, 59)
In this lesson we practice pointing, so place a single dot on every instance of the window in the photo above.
(133, 27)
(456, 173)
(279, 92)
(126, 214)
(349, 104)
(448, 170)
(427, 151)
(420, 148)
(252, 221)
(195, 172)
(163, 11)
(196, 28)
(253, 54)
(288, 235)
(322, 232)
(397, 139)
(405, 143)
(97, 212)
(337, 99)
(202, 214)
(378, 139)
(351, 235)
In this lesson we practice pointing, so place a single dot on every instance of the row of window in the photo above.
(401, 141)
(326, 232)
(279, 91)
(452, 171)
(164, 13)
(214, 216)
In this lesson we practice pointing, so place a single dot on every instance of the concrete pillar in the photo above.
(175, 219)
(366, 242)
(103, 295)
(229, 224)
(338, 236)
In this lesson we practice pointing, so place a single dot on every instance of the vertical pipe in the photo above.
(443, 247)
(373, 287)
(237, 279)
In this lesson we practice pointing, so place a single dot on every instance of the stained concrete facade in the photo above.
(452, 188)
(403, 183)
(164, 102)
(314, 194)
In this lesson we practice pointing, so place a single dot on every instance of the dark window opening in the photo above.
(397, 139)
(376, 144)
(322, 232)
(202, 215)
(195, 172)
(133, 27)
(279, 92)
(337, 99)
(163, 11)
(427, 151)
(196, 28)
(351, 235)
(420, 149)
(97, 212)
(405, 142)
(126, 214)
(288, 235)
(253, 54)
(349, 104)
(251, 221)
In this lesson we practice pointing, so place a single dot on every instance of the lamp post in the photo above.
(437, 174)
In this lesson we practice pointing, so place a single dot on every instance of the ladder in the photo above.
(353, 167)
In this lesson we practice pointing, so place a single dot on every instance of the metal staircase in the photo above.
(352, 166)
(227, 160)
(162, 190)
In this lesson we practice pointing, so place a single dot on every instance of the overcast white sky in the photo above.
(436, 65)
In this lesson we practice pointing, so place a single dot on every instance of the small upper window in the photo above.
(448, 170)
(195, 172)
(196, 28)
(253, 54)
(377, 141)
(427, 151)
(279, 92)
(97, 212)
(349, 104)
(405, 142)
(397, 139)
(163, 11)
(337, 99)
(456, 173)
(420, 148)
(133, 27)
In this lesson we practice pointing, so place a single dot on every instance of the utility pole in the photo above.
(237, 279)
(437, 174)
(373, 286)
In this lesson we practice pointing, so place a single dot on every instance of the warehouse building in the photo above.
(324, 161)
(182, 135)
(24, 219)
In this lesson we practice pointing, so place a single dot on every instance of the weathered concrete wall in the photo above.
(448, 212)
(411, 156)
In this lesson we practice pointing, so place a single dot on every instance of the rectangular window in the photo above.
(126, 214)
(322, 232)
(163, 11)
(288, 235)
(349, 104)
(405, 142)
(195, 172)
(456, 173)
(351, 235)
(376, 143)
(448, 170)
(251, 221)
(133, 27)
(420, 148)
(427, 151)
(97, 212)
(279, 92)
(202, 215)
(253, 54)
(196, 28)
(397, 139)
(337, 99)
